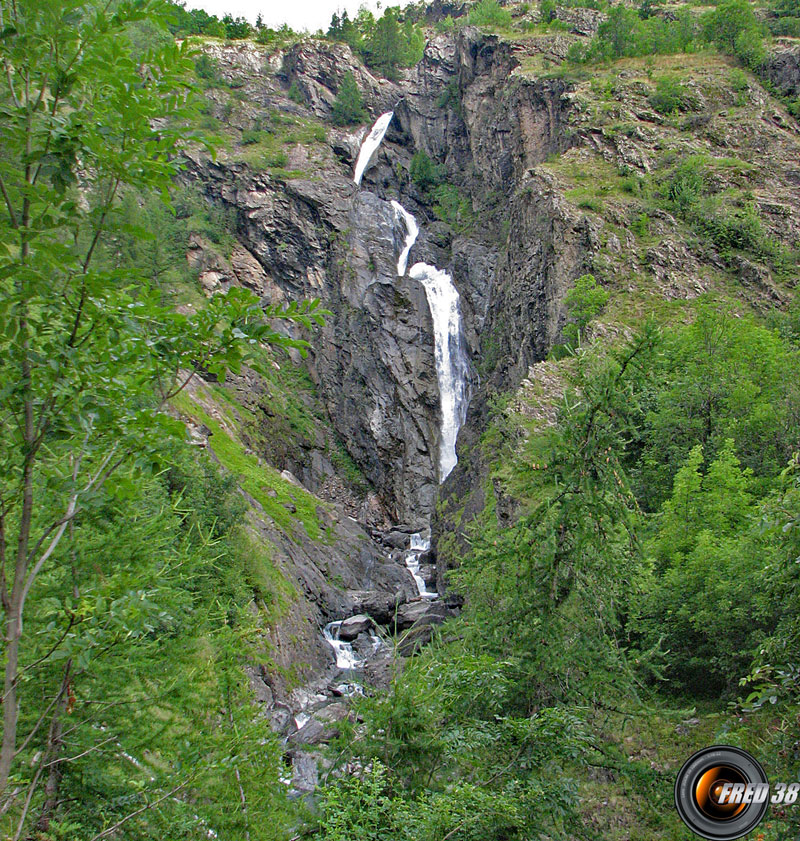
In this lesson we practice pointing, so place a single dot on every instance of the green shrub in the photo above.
(740, 86)
(251, 136)
(671, 96)
(206, 68)
(277, 159)
(749, 48)
(724, 25)
(452, 207)
(583, 302)
(424, 172)
(295, 94)
(489, 13)
(236, 28)
(687, 183)
(445, 25)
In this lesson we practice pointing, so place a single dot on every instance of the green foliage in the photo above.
(489, 13)
(704, 611)
(453, 207)
(728, 21)
(446, 730)
(236, 28)
(107, 578)
(627, 33)
(671, 96)
(721, 377)
(295, 94)
(206, 68)
(583, 303)
(385, 44)
(424, 172)
(348, 106)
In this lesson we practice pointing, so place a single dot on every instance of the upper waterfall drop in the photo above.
(370, 145)
(412, 232)
(451, 360)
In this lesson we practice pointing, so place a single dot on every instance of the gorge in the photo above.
(400, 422)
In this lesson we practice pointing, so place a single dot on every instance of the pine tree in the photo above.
(348, 107)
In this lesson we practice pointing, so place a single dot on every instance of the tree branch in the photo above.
(118, 824)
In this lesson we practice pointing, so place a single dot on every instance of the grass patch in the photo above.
(262, 482)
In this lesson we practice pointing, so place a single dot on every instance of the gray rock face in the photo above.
(782, 68)
(318, 68)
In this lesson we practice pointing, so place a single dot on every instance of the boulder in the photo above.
(380, 606)
(420, 612)
(396, 539)
(353, 626)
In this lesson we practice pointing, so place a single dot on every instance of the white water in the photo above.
(371, 144)
(345, 656)
(418, 545)
(412, 232)
(451, 360)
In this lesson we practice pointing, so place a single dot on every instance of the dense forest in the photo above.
(618, 548)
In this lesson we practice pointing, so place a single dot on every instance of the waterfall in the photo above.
(345, 656)
(412, 231)
(418, 545)
(451, 360)
(371, 144)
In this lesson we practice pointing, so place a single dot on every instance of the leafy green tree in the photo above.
(723, 376)
(236, 28)
(728, 21)
(583, 303)
(704, 611)
(348, 107)
(384, 47)
(90, 355)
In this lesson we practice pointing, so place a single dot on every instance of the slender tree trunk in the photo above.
(53, 749)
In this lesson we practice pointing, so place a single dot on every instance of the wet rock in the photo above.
(338, 711)
(380, 606)
(414, 639)
(353, 626)
(313, 732)
(428, 573)
(396, 539)
(421, 612)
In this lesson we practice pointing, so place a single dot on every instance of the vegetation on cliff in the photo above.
(627, 550)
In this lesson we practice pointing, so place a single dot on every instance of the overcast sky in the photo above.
(299, 14)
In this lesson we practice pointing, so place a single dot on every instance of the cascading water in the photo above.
(345, 656)
(452, 372)
(451, 361)
(412, 232)
(419, 544)
(371, 144)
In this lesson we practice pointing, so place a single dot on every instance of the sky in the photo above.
(299, 14)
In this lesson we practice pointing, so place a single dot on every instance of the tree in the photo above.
(704, 610)
(583, 302)
(728, 21)
(424, 172)
(384, 46)
(89, 355)
(348, 106)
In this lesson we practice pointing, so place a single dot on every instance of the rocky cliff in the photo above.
(555, 174)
